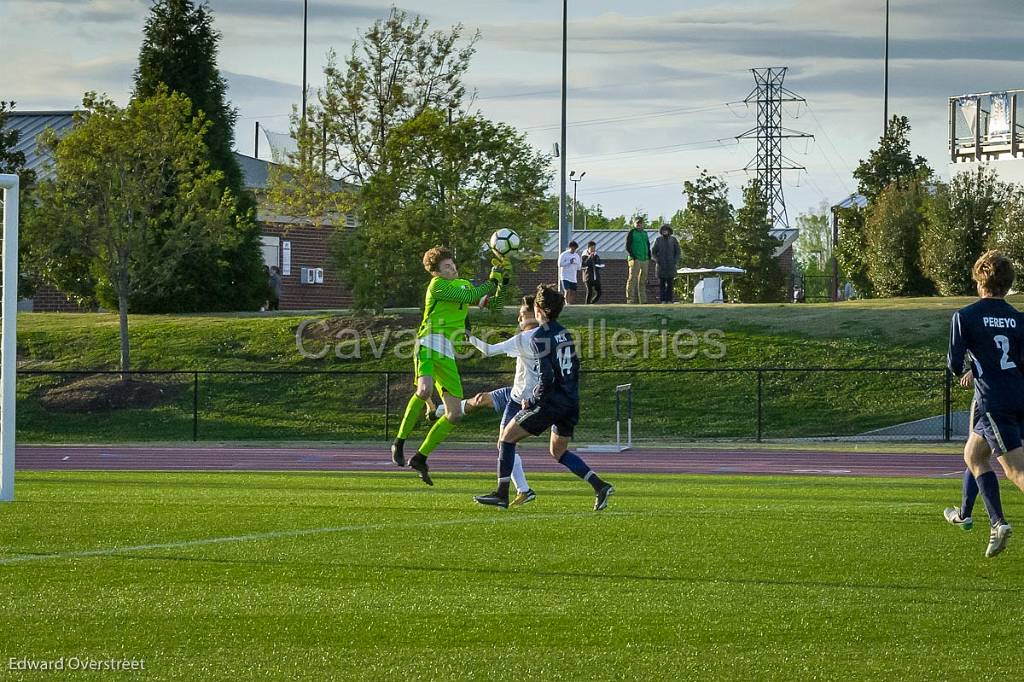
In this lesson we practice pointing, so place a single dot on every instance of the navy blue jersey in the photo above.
(990, 334)
(558, 366)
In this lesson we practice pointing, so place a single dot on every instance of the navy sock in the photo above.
(571, 461)
(970, 494)
(506, 460)
(989, 486)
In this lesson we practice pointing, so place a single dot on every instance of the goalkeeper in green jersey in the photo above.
(442, 330)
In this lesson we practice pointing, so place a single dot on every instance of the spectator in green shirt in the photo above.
(638, 252)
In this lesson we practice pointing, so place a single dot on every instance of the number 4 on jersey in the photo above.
(565, 359)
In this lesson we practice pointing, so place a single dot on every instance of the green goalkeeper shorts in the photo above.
(430, 363)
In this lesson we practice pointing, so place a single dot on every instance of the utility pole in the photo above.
(885, 105)
(305, 16)
(769, 161)
(575, 182)
(563, 226)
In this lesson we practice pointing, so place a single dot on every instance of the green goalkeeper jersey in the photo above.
(445, 310)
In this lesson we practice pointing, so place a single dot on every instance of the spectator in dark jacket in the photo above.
(666, 256)
(592, 272)
(638, 255)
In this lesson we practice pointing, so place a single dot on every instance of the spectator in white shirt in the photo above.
(569, 264)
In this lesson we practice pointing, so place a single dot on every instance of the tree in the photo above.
(444, 183)
(122, 178)
(749, 244)
(851, 249)
(893, 230)
(396, 70)
(179, 52)
(13, 162)
(813, 248)
(702, 226)
(1008, 227)
(960, 219)
(891, 161)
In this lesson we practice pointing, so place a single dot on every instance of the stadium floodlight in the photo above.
(8, 334)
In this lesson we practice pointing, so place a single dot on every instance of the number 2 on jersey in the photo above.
(1003, 344)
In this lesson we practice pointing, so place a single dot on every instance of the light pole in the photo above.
(563, 227)
(575, 181)
(305, 15)
(885, 106)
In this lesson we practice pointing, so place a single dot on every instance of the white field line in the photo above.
(301, 532)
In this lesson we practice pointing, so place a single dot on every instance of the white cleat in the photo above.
(954, 517)
(997, 539)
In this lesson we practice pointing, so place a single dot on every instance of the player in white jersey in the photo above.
(525, 382)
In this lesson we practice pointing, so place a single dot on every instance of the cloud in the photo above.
(318, 10)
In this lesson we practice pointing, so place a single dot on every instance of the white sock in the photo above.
(439, 412)
(463, 407)
(519, 476)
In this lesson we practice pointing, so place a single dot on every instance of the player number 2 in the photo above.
(1003, 344)
(565, 360)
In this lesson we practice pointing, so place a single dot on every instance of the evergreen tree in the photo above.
(750, 245)
(891, 161)
(702, 226)
(179, 51)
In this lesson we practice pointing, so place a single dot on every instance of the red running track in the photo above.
(482, 459)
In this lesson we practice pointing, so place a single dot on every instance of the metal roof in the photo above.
(852, 201)
(31, 124)
(611, 244)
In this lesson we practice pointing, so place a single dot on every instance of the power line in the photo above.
(661, 148)
(632, 117)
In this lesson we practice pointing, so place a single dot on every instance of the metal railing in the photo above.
(693, 403)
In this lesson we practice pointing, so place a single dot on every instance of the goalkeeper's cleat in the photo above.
(419, 463)
(494, 499)
(601, 499)
(523, 497)
(997, 539)
(955, 517)
(397, 452)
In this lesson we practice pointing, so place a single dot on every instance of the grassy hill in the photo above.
(716, 397)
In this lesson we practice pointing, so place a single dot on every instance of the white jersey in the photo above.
(519, 347)
(569, 265)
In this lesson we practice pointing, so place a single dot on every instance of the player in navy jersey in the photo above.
(554, 403)
(990, 335)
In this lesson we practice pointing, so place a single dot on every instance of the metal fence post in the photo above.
(195, 406)
(387, 405)
(947, 421)
(760, 400)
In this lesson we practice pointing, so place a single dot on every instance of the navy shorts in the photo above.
(500, 398)
(540, 418)
(568, 286)
(1001, 430)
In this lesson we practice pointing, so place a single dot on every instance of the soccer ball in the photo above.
(504, 241)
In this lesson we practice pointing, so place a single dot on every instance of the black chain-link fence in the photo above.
(669, 405)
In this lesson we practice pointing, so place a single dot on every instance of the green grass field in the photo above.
(371, 576)
(674, 408)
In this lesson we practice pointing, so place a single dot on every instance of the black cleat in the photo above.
(601, 499)
(494, 499)
(397, 452)
(419, 463)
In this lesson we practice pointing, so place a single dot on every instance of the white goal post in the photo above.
(8, 335)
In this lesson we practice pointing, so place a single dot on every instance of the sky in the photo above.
(656, 87)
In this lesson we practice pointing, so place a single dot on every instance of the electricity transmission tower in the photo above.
(769, 162)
